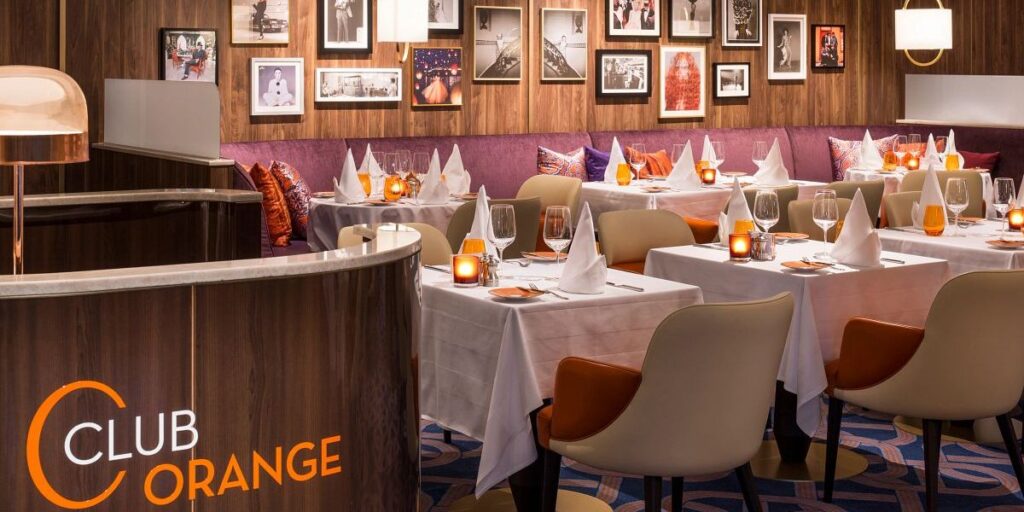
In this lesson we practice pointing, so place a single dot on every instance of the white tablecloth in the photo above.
(825, 302)
(705, 204)
(965, 254)
(326, 218)
(894, 179)
(486, 364)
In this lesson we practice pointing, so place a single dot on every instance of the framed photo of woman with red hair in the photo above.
(683, 81)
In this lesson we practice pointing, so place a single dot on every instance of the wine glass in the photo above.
(404, 162)
(503, 224)
(957, 201)
(719, 148)
(1003, 197)
(914, 144)
(391, 165)
(760, 152)
(636, 158)
(421, 164)
(766, 209)
(826, 215)
(557, 229)
(677, 152)
(900, 149)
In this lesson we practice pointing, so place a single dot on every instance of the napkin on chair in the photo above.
(951, 148)
(931, 194)
(773, 172)
(684, 176)
(481, 227)
(738, 210)
(870, 159)
(456, 176)
(585, 270)
(372, 167)
(433, 190)
(615, 157)
(931, 154)
(349, 190)
(858, 244)
(707, 153)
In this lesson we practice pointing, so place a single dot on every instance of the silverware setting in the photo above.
(538, 289)
(891, 260)
(439, 269)
(625, 287)
(712, 246)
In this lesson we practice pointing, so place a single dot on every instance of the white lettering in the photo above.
(110, 444)
(138, 436)
(67, 444)
(190, 427)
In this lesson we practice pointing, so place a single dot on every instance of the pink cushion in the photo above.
(573, 165)
(846, 153)
(296, 196)
(987, 161)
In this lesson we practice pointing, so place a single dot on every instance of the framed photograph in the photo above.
(742, 22)
(683, 82)
(633, 18)
(437, 77)
(623, 73)
(188, 54)
(829, 46)
(445, 16)
(786, 54)
(259, 21)
(358, 85)
(277, 87)
(346, 26)
(732, 79)
(564, 42)
(691, 18)
(497, 43)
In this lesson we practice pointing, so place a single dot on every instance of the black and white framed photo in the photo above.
(445, 16)
(683, 82)
(437, 77)
(731, 79)
(742, 22)
(188, 54)
(259, 22)
(277, 87)
(358, 85)
(623, 73)
(346, 26)
(691, 18)
(633, 18)
(497, 43)
(787, 55)
(829, 46)
(564, 43)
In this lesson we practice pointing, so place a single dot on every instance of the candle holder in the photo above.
(913, 163)
(708, 176)
(1015, 219)
(934, 220)
(393, 188)
(466, 270)
(739, 247)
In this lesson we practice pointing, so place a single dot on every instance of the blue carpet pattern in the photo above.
(973, 477)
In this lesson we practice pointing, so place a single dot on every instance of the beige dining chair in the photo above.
(786, 194)
(435, 248)
(527, 224)
(801, 218)
(685, 413)
(552, 191)
(964, 365)
(914, 182)
(872, 190)
(899, 208)
(627, 235)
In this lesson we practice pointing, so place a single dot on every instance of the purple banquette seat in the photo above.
(318, 160)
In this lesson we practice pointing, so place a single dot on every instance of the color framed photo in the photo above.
(358, 85)
(691, 19)
(742, 22)
(259, 22)
(787, 58)
(189, 54)
(564, 43)
(278, 87)
(731, 79)
(346, 26)
(437, 77)
(633, 18)
(623, 73)
(445, 16)
(683, 82)
(497, 43)
(829, 46)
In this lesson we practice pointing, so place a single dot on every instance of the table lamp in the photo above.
(402, 21)
(43, 120)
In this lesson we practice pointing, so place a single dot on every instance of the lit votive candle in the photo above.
(1015, 219)
(393, 188)
(739, 247)
(707, 176)
(913, 164)
(465, 270)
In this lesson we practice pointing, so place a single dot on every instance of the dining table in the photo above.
(327, 217)
(971, 251)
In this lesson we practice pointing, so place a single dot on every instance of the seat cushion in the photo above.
(656, 163)
(846, 153)
(572, 165)
(597, 163)
(296, 195)
(275, 208)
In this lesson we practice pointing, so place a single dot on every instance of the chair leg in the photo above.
(677, 494)
(1012, 449)
(932, 444)
(835, 420)
(552, 470)
(447, 435)
(652, 494)
(749, 488)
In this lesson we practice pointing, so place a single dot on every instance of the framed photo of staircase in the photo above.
(497, 44)
(564, 45)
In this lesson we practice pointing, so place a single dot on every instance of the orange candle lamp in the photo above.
(934, 220)
(743, 226)
(364, 180)
(623, 176)
(393, 188)
(700, 166)
(465, 270)
(1015, 219)
(912, 163)
(473, 246)
(739, 247)
(708, 175)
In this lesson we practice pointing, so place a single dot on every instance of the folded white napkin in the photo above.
(707, 153)
(372, 167)
(931, 154)
(931, 194)
(433, 190)
(738, 210)
(348, 190)
(684, 173)
(870, 159)
(951, 148)
(858, 244)
(585, 270)
(455, 174)
(481, 227)
(615, 157)
(773, 172)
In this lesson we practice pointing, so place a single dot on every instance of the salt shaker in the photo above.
(762, 246)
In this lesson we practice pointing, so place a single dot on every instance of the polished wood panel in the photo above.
(113, 170)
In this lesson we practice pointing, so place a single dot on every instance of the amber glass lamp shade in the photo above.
(43, 117)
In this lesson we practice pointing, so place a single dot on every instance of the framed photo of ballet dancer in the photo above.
(691, 19)
(742, 22)
(259, 22)
(278, 87)
(829, 44)
(787, 55)
(189, 54)
(346, 26)
(633, 18)
(564, 43)
(497, 43)
(358, 85)
(683, 82)
(445, 16)
(437, 77)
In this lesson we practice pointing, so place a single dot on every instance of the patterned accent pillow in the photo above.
(658, 164)
(296, 196)
(597, 162)
(573, 165)
(846, 153)
(279, 223)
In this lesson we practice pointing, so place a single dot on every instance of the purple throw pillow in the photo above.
(597, 162)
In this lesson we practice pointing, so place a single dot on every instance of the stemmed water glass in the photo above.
(900, 149)
(1003, 197)
(956, 200)
(766, 209)
(503, 228)
(404, 162)
(760, 153)
(719, 148)
(636, 158)
(557, 229)
(826, 215)
(677, 152)
(914, 144)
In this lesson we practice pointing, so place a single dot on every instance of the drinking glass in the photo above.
(1003, 197)
(557, 229)
(956, 201)
(719, 148)
(677, 152)
(934, 220)
(766, 209)
(953, 162)
(391, 167)
(901, 148)
(421, 163)
(914, 144)
(636, 158)
(472, 246)
(404, 162)
(760, 152)
(503, 224)
(826, 215)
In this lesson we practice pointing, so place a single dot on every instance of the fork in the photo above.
(538, 289)
(625, 286)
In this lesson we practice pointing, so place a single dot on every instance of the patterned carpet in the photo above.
(973, 477)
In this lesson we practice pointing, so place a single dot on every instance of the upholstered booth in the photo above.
(625, 245)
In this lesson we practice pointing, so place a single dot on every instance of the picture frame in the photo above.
(436, 78)
(189, 54)
(742, 23)
(828, 54)
(691, 19)
(731, 80)
(497, 43)
(623, 73)
(273, 94)
(644, 25)
(260, 22)
(358, 85)
(345, 26)
(445, 17)
(786, 48)
(564, 47)
(683, 82)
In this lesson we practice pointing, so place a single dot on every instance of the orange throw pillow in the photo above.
(279, 223)
(658, 164)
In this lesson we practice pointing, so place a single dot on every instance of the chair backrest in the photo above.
(553, 191)
(801, 217)
(627, 235)
(914, 181)
(899, 208)
(786, 195)
(435, 249)
(707, 384)
(872, 191)
(527, 224)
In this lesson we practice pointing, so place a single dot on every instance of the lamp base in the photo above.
(18, 219)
